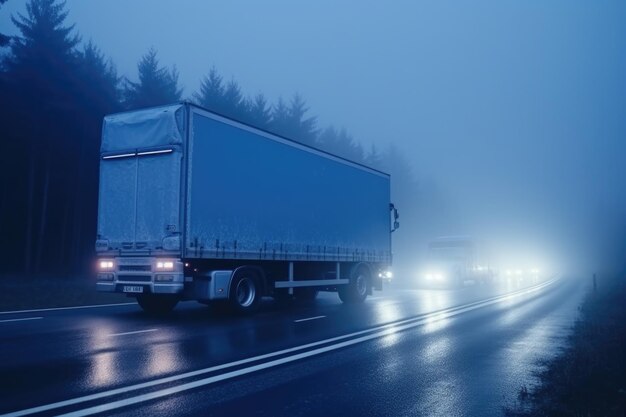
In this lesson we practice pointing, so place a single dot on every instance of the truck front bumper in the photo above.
(141, 275)
(148, 288)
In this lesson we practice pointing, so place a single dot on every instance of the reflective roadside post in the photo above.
(595, 284)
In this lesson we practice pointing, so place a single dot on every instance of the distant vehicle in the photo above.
(196, 206)
(454, 261)
(532, 274)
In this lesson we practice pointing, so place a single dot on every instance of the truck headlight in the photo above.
(165, 265)
(106, 264)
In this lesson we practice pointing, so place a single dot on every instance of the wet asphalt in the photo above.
(403, 352)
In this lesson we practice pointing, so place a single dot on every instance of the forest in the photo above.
(55, 89)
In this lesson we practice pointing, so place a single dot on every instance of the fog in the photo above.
(510, 114)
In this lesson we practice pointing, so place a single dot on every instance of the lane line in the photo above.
(281, 361)
(135, 332)
(24, 319)
(310, 318)
(66, 308)
(390, 327)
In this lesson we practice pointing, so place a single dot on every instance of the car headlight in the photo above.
(435, 276)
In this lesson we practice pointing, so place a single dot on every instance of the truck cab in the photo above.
(139, 222)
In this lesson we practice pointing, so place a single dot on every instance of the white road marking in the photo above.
(24, 319)
(65, 308)
(135, 332)
(310, 318)
(376, 332)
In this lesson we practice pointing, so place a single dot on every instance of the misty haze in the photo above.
(312, 208)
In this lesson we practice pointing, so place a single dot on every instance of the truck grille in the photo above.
(134, 278)
(135, 268)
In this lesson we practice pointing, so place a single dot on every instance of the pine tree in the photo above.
(100, 81)
(40, 81)
(304, 128)
(259, 112)
(211, 94)
(226, 99)
(341, 143)
(234, 105)
(52, 132)
(349, 147)
(156, 84)
(4, 39)
(99, 95)
(42, 59)
(291, 121)
(280, 116)
(374, 158)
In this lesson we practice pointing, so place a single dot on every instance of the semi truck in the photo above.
(197, 206)
(454, 260)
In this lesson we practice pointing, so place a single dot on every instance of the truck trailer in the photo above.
(197, 206)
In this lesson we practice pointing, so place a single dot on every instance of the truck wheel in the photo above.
(356, 291)
(157, 304)
(245, 294)
(305, 294)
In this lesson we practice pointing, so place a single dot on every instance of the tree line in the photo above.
(54, 92)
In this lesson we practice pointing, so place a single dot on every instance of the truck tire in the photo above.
(356, 291)
(245, 292)
(157, 304)
(305, 295)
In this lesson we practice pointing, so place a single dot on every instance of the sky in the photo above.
(512, 110)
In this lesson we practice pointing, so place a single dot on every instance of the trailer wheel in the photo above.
(157, 304)
(356, 291)
(245, 292)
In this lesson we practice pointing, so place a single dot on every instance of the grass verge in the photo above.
(20, 293)
(589, 377)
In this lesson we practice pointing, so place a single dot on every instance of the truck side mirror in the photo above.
(396, 216)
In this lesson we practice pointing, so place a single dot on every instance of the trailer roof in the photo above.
(191, 104)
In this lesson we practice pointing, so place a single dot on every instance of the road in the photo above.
(403, 352)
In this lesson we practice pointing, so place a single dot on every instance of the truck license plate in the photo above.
(133, 288)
